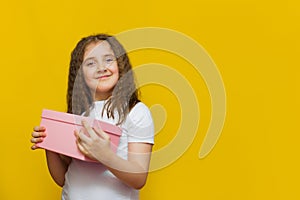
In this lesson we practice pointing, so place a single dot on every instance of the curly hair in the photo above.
(80, 98)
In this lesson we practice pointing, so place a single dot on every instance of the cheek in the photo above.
(117, 73)
(87, 74)
(88, 78)
(115, 70)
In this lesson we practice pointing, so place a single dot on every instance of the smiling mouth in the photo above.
(102, 77)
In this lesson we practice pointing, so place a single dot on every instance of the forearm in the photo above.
(132, 171)
(129, 172)
(57, 167)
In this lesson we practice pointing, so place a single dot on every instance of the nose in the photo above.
(101, 67)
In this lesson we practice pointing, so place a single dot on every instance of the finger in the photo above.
(34, 147)
(81, 148)
(76, 133)
(38, 134)
(89, 129)
(81, 137)
(101, 133)
(39, 128)
(36, 140)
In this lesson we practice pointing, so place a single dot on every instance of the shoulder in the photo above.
(139, 124)
(140, 107)
(140, 112)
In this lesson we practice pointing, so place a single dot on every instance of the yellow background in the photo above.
(255, 45)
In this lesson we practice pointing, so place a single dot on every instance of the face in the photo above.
(100, 69)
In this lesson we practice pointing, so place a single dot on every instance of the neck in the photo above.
(102, 96)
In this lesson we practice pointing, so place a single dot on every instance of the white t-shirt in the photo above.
(93, 181)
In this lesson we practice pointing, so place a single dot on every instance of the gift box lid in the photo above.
(60, 133)
(77, 119)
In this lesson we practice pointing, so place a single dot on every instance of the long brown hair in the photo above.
(79, 96)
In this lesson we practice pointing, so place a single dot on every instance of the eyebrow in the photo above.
(89, 58)
(106, 55)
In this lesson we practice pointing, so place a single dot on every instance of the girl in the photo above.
(101, 85)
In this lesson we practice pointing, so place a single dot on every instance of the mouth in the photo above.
(103, 77)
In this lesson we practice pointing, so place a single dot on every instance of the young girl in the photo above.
(101, 85)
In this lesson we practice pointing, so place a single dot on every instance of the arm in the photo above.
(57, 164)
(132, 171)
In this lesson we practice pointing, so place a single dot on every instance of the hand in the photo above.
(94, 143)
(38, 135)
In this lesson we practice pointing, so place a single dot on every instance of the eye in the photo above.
(90, 63)
(109, 59)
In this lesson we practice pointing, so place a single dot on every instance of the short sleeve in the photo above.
(140, 126)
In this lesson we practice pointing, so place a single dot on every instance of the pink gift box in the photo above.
(60, 132)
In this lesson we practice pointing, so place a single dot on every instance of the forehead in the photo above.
(99, 48)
